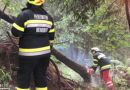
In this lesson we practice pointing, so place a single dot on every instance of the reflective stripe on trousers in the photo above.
(105, 76)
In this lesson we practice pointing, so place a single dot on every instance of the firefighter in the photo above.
(35, 29)
(103, 62)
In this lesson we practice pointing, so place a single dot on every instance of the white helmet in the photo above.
(95, 49)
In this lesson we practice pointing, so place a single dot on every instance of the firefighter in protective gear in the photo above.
(103, 62)
(35, 29)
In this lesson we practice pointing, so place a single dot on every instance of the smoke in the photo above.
(77, 55)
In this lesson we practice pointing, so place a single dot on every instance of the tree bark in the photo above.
(7, 17)
(70, 63)
(127, 6)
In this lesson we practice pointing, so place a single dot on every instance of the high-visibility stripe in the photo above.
(95, 60)
(22, 89)
(34, 53)
(100, 56)
(38, 25)
(37, 21)
(18, 27)
(51, 30)
(44, 88)
(110, 85)
(109, 82)
(35, 49)
(106, 66)
(95, 64)
(51, 41)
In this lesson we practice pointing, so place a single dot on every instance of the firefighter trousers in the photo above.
(105, 76)
(36, 65)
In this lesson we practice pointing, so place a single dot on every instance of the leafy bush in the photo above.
(4, 78)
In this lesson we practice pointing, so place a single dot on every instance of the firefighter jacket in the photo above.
(35, 29)
(101, 60)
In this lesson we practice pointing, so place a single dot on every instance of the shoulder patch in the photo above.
(38, 16)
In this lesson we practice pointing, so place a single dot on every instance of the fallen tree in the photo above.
(76, 67)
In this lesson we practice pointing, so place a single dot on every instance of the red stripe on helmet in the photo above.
(40, 1)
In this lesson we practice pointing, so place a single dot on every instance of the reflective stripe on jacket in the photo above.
(35, 29)
(101, 60)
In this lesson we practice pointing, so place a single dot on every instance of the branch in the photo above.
(62, 42)
(7, 17)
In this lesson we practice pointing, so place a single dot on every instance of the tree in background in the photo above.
(96, 23)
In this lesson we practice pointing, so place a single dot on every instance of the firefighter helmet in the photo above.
(95, 49)
(36, 2)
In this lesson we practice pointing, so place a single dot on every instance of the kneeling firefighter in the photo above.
(35, 29)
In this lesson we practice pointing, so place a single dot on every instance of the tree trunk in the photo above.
(76, 67)
(127, 6)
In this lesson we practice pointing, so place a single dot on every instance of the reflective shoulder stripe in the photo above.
(34, 53)
(100, 56)
(37, 21)
(51, 41)
(51, 30)
(95, 64)
(106, 66)
(35, 49)
(18, 27)
(95, 60)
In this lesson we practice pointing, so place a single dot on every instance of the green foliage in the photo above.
(4, 78)
(128, 70)
(119, 65)
(105, 30)
(78, 89)
(120, 74)
(78, 7)
(13, 6)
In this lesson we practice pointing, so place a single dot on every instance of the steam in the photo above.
(76, 54)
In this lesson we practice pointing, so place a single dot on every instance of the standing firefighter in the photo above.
(101, 60)
(35, 29)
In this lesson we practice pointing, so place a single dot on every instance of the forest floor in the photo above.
(56, 81)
